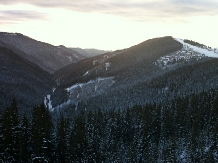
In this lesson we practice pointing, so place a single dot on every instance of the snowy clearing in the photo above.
(84, 91)
(197, 49)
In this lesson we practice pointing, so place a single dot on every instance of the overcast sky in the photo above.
(110, 24)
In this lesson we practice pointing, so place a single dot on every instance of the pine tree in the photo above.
(62, 139)
(78, 140)
(41, 131)
(11, 133)
(1, 139)
(25, 143)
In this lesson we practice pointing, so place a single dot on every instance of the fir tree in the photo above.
(41, 131)
(25, 143)
(11, 133)
(78, 140)
(62, 139)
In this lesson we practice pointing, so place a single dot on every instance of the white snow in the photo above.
(47, 102)
(79, 85)
(86, 90)
(94, 62)
(183, 156)
(107, 65)
(89, 82)
(12, 34)
(87, 72)
(53, 90)
(197, 49)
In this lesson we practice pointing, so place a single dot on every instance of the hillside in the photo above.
(50, 58)
(156, 101)
(89, 52)
(22, 79)
(117, 62)
(127, 67)
(154, 70)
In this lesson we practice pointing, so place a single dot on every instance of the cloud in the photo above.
(142, 10)
(12, 16)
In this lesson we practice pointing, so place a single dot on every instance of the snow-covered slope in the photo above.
(154, 70)
(197, 49)
(84, 91)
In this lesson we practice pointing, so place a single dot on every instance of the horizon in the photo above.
(110, 25)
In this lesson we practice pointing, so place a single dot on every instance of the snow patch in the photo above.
(94, 62)
(197, 49)
(84, 91)
(11, 34)
(87, 72)
(53, 90)
(183, 156)
(47, 102)
(107, 65)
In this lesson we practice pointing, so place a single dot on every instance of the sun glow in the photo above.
(61, 26)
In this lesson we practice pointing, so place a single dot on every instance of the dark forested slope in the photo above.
(22, 79)
(118, 62)
(155, 70)
(89, 52)
(184, 129)
(48, 57)
(128, 67)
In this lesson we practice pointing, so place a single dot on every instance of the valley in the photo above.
(155, 70)
(154, 101)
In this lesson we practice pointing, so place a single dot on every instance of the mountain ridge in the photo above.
(22, 79)
(126, 66)
(89, 52)
(152, 70)
(47, 56)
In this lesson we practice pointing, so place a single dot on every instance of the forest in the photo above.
(184, 129)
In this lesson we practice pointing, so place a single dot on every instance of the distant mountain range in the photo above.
(157, 70)
(89, 52)
(50, 58)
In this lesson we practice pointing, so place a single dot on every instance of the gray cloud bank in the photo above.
(133, 9)
(13, 16)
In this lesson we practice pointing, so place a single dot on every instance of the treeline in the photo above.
(181, 130)
(195, 43)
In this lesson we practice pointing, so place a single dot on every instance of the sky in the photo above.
(110, 24)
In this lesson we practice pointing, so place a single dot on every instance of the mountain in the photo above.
(127, 67)
(89, 52)
(117, 62)
(22, 79)
(155, 70)
(50, 58)
(156, 101)
(158, 69)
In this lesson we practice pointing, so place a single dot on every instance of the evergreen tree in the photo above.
(62, 139)
(25, 143)
(11, 133)
(1, 139)
(41, 132)
(78, 140)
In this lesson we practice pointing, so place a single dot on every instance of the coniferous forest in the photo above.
(181, 130)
